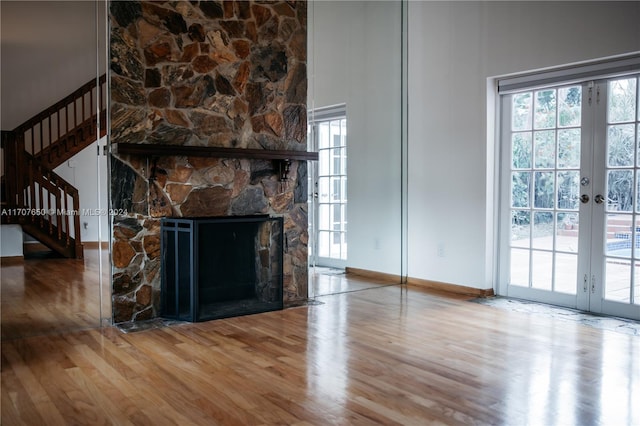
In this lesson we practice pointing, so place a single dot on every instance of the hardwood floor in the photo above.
(48, 294)
(384, 355)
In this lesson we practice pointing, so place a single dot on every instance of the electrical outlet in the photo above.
(440, 250)
(376, 243)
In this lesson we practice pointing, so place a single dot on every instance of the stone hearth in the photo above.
(219, 74)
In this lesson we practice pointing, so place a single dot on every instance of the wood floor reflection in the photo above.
(326, 281)
(385, 355)
(46, 294)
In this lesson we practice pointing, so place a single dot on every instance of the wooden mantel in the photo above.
(154, 150)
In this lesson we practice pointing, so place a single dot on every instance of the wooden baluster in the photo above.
(65, 194)
(49, 195)
(19, 170)
(103, 122)
(93, 116)
(10, 144)
(75, 121)
(59, 209)
(76, 225)
(66, 121)
(33, 139)
(41, 140)
(35, 202)
(48, 132)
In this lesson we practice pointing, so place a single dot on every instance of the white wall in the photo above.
(87, 171)
(355, 58)
(453, 48)
(11, 241)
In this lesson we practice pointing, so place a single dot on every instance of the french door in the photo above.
(570, 196)
(330, 195)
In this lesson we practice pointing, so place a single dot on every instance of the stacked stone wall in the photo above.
(221, 74)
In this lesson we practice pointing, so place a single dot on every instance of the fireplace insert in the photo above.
(218, 267)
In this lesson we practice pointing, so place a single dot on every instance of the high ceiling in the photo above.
(48, 49)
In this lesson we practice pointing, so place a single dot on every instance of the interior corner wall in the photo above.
(355, 58)
(454, 47)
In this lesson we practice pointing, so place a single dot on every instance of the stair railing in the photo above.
(59, 128)
(39, 197)
(35, 194)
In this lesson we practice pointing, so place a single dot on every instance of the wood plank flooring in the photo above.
(383, 355)
(45, 294)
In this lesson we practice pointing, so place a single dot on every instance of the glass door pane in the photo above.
(544, 152)
(332, 191)
(620, 199)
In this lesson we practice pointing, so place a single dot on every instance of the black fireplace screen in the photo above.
(221, 267)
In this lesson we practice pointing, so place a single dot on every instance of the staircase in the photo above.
(34, 196)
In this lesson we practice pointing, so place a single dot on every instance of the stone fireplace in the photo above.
(226, 75)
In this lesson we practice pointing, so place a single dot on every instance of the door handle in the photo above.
(584, 198)
(599, 199)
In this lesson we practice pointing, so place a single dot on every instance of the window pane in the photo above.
(335, 245)
(544, 149)
(336, 195)
(567, 225)
(336, 134)
(323, 135)
(636, 248)
(622, 100)
(618, 280)
(545, 111)
(520, 189)
(618, 241)
(519, 267)
(566, 273)
(569, 106)
(568, 190)
(542, 230)
(336, 217)
(636, 287)
(569, 148)
(541, 270)
(638, 143)
(323, 244)
(521, 150)
(520, 228)
(324, 162)
(344, 219)
(521, 117)
(323, 189)
(620, 145)
(344, 189)
(619, 190)
(543, 191)
(324, 221)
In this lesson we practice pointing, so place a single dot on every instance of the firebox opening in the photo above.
(221, 267)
